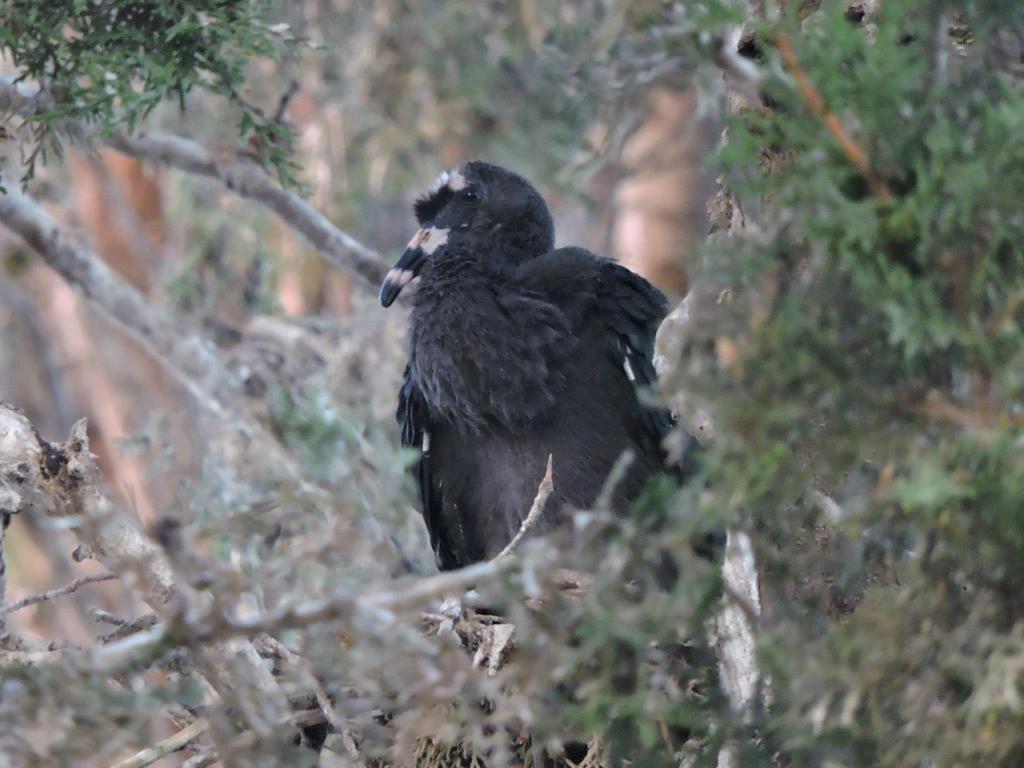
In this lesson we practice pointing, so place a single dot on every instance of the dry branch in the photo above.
(188, 358)
(172, 743)
(247, 178)
(853, 151)
(543, 492)
(239, 173)
(52, 594)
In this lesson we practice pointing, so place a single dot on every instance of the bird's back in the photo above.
(575, 347)
(490, 478)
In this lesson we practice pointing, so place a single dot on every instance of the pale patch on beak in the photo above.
(424, 244)
(400, 277)
(429, 239)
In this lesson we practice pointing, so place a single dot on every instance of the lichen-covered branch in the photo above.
(60, 480)
(189, 358)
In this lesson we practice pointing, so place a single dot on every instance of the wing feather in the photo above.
(633, 309)
(583, 286)
(415, 427)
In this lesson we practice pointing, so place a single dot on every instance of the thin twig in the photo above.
(853, 151)
(547, 485)
(285, 100)
(165, 747)
(126, 628)
(67, 589)
(336, 721)
(4, 610)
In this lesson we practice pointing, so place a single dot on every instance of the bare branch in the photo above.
(188, 357)
(853, 151)
(544, 490)
(247, 178)
(239, 173)
(4, 610)
(61, 481)
(67, 589)
(165, 747)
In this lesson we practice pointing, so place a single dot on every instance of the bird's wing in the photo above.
(592, 289)
(633, 309)
(414, 422)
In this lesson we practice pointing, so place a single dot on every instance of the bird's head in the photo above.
(477, 208)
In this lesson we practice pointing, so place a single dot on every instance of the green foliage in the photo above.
(109, 64)
(878, 349)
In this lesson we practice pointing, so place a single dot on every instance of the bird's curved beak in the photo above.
(425, 243)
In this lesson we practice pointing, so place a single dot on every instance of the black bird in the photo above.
(518, 352)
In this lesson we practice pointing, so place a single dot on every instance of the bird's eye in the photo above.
(471, 195)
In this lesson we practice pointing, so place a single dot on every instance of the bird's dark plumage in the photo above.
(518, 352)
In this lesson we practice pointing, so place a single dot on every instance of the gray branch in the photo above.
(60, 480)
(52, 594)
(239, 173)
(187, 357)
(246, 177)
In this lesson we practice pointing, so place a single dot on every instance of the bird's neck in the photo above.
(469, 343)
(462, 279)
